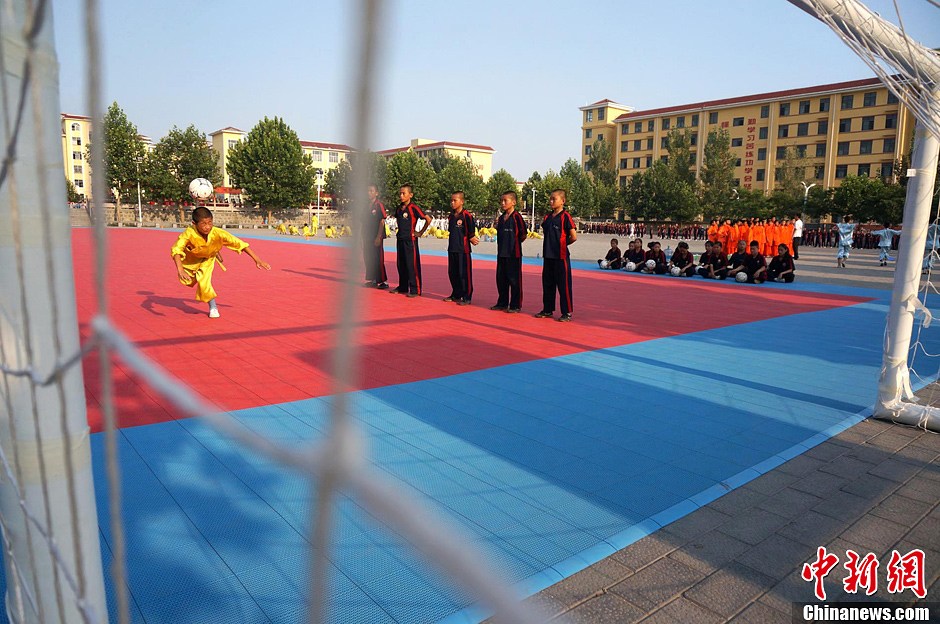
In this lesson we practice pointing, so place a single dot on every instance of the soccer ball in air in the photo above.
(676, 271)
(650, 264)
(630, 266)
(741, 277)
(604, 264)
(200, 188)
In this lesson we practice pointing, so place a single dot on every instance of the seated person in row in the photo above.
(658, 257)
(636, 255)
(753, 264)
(781, 268)
(683, 260)
(714, 263)
(613, 258)
(737, 259)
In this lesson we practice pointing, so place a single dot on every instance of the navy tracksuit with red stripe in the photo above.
(511, 231)
(461, 229)
(409, 256)
(374, 255)
(556, 267)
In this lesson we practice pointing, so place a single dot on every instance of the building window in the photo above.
(891, 121)
(665, 123)
(623, 163)
(762, 153)
(823, 105)
(847, 101)
(802, 129)
(649, 162)
(713, 117)
(623, 181)
(649, 143)
(625, 146)
(625, 129)
(889, 146)
(760, 175)
(737, 142)
(820, 171)
(600, 114)
(804, 107)
(892, 98)
(823, 127)
(636, 163)
(784, 109)
(76, 155)
(801, 151)
(765, 111)
(695, 120)
(77, 169)
(783, 131)
(864, 147)
(762, 133)
(864, 170)
(317, 156)
(589, 116)
(79, 183)
(232, 143)
(737, 162)
(587, 166)
(664, 159)
(887, 170)
(869, 98)
(651, 125)
(693, 139)
(737, 121)
(76, 127)
(737, 182)
(841, 171)
(692, 157)
(781, 152)
(588, 133)
(820, 150)
(842, 149)
(76, 140)
(587, 150)
(845, 125)
(334, 157)
(680, 122)
(664, 143)
(637, 145)
(868, 123)
(638, 126)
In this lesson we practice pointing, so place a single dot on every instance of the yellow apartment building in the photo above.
(76, 135)
(848, 128)
(481, 156)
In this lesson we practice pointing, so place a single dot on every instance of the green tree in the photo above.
(73, 195)
(409, 168)
(818, 202)
(582, 200)
(679, 144)
(500, 182)
(459, 174)
(179, 158)
(532, 183)
(270, 166)
(637, 197)
(600, 164)
(869, 199)
(338, 179)
(750, 203)
(123, 153)
(549, 182)
(668, 196)
(791, 171)
(717, 174)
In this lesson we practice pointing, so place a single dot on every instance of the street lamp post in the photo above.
(533, 209)
(319, 188)
(140, 212)
(806, 191)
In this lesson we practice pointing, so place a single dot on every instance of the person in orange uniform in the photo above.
(724, 237)
(711, 234)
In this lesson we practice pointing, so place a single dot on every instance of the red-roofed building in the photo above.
(848, 128)
(480, 155)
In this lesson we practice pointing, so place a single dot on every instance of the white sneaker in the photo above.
(214, 313)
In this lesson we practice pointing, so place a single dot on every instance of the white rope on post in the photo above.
(49, 515)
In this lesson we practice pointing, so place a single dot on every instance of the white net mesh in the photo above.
(51, 547)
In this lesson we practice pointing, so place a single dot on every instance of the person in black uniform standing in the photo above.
(462, 234)
(559, 232)
(373, 253)
(409, 256)
(511, 232)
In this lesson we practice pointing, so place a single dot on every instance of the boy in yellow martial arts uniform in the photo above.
(195, 252)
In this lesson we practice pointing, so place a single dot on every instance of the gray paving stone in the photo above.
(776, 557)
(730, 589)
(771, 482)
(813, 528)
(917, 455)
(683, 611)
(868, 454)
(847, 467)
(709, 552)
(801, 465)
(901, 510)
(924, 490)
(645, 551)
(698, 523)
(826, 452)
(895, 470)
(931, 559)
(792, 589)
(759, 613)
(853, 436)
(657, 583)
(870, 487)
(605, 608)
(819, 483)
(578, 586)
(753, 526)
(890, 441)
(789, 502)
(843, 506)
(926, 534)
(874, 534)
(612, 569)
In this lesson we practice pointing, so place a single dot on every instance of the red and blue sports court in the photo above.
(551, 445)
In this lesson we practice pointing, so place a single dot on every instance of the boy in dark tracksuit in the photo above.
(782, 268)
(462, 234)
(658, 256)
(373, 253)
(636, 255)
(755, 265)
(511, 232)
(409, 256)
(738, 260)
(714, 263)
(559, 232)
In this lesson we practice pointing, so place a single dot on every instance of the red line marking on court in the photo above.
(273, 342)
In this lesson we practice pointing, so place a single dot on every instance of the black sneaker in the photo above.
(543, 314)
(463, 302)
(497, 307)
(368, 284)
(397, 291)
(448, 299)
(513, 310)
(382, 286)
(564, 318)
(412, 295)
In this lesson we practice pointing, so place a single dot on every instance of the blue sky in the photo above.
(507, 74)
